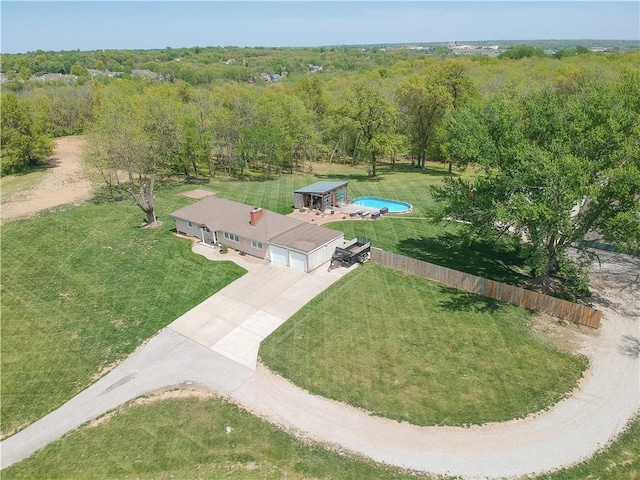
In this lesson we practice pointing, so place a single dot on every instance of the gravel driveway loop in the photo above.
(571, 431)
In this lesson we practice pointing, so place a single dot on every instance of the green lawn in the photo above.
(83, 287)
(444, 243)
(186, 439)
(406, 184)
(409, 349)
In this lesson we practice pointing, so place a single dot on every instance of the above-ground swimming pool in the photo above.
(373, 202)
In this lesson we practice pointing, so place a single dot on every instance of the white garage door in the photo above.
(278, 254)
(298, 260)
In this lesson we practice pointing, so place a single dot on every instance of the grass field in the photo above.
(187, 439)
(444, 243)
(82, 288)
(409, 349)
(406, 184)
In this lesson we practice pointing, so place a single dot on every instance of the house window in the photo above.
(256, 245)
(232, 237)
(206, 230)
(189, 224)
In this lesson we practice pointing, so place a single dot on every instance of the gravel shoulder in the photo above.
(64, 183)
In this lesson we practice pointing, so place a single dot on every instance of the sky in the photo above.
(94, 25)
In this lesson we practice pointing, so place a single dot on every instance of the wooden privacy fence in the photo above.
(570, 311)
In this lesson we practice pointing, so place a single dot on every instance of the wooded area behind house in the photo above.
(555, 132)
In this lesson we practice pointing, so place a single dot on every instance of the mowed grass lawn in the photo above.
(406, 184)
(444, 243)
(83, 287)
(412, 350)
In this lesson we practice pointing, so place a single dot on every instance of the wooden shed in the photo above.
(321, 195)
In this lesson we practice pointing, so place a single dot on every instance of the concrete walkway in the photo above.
(215, 345)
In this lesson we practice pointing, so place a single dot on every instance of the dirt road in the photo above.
(64, 183)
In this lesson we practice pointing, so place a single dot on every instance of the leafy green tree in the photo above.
(424, 100)
(555, 167)
(77, 69)
(198, 136)
(423, 104)
(138, 136)
(371, 115)
(25, 142)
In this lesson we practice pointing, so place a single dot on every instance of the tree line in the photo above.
(558, 143)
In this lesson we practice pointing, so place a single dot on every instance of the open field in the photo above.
(407, 184)
(62, 182)
(83, 287)
(416, 351)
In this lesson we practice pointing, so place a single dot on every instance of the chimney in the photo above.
(256, 215)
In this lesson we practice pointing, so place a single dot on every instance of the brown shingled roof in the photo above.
(305, 237)
(219, 214)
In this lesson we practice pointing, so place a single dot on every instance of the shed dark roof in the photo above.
(306, 237)
(321, 187)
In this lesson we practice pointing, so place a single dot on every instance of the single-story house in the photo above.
(258, 232)
(321, 195)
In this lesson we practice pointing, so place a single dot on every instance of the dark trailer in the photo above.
(357, 250)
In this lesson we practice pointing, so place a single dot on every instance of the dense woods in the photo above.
(556, 134)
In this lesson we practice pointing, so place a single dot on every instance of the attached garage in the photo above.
(305, 247)
(297, 260)
(279, 255)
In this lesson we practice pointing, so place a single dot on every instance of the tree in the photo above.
(371, 115)
(198, 137)
(522, 51)
(556, 167)
(137, 136)
(159, 117)
(424, 100)
(423, 104)
(24, 141)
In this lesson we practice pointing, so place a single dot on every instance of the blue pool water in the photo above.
(373, 202)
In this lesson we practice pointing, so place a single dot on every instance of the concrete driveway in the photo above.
(234, 321)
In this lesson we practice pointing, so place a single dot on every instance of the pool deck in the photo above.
(340, 214)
